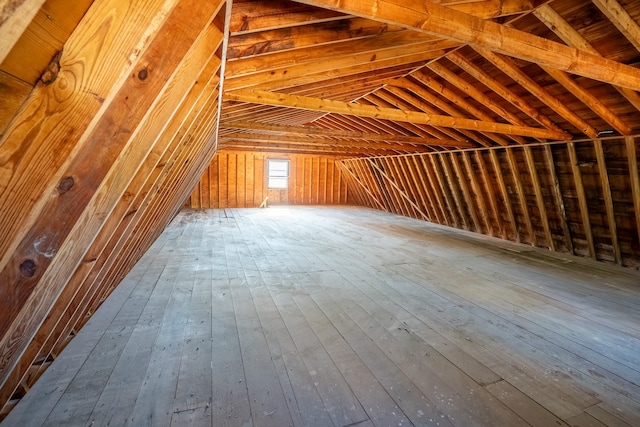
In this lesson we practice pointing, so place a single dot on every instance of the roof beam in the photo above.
(316, 130)
(336, 65)
(310, 149)
(383, 46)
(318, 142)
(571, 37)
(517, 101)
(589, 100)
(508, 66)
(621, 19)
(329, 106)
(446, 22)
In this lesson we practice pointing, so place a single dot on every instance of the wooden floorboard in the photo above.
(314, 316)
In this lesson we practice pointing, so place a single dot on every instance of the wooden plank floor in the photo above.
(314, 316)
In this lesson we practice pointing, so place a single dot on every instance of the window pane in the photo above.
(278, 182)
(278, 173)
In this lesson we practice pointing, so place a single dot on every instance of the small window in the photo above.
(278, 173)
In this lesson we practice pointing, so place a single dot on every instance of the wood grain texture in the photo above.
(246, 316)
(565, 197)
(238, 179)
(71, 217)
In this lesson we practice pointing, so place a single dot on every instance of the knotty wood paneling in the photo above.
(579, 197)
(238, 179)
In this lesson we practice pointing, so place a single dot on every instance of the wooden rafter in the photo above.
(317, 130)
(326, 105)
(571, 37)
(511, 69)
(432, 18)
(319, 142)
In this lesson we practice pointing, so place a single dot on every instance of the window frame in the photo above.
(279, 174)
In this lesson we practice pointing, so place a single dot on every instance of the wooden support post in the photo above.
(635, 178)
(462, 180)
(562, 213)
(505, 194)
(484, 212)
(420, 187)
(544, 219)
(490, 191)
(440, 203)
(441, 185)
(582, 199)
(608, 200)
(513, 165)
(401, 192)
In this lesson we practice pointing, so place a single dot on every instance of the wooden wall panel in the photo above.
(579, 197)
(238, 179)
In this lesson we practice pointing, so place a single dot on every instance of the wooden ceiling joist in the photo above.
(319, 142)
(435, 19)
(316, 130)
(326, 105)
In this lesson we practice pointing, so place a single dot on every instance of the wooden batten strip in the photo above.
(557, 193)
(439, 191)
(483, 212)
(515, 173)
(409, 191)
(489, 189)
(535, 179)
(582, 199)
(367, 182)
(466, 192)
(397, 202)
(608, 200)
(634, 175)
(454, 183)
(418, 187)
(505, 194)
(448, 191)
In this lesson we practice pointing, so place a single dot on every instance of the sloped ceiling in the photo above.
(110, 110)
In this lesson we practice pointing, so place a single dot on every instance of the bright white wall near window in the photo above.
(278, 173)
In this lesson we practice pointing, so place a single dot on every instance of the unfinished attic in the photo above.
(319, 213)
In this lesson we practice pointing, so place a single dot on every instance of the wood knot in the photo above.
(66, 184)
(143, 74)
(51, 72)
(28, 268)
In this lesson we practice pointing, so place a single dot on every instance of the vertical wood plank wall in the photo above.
(579, 197)
(238, 179)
